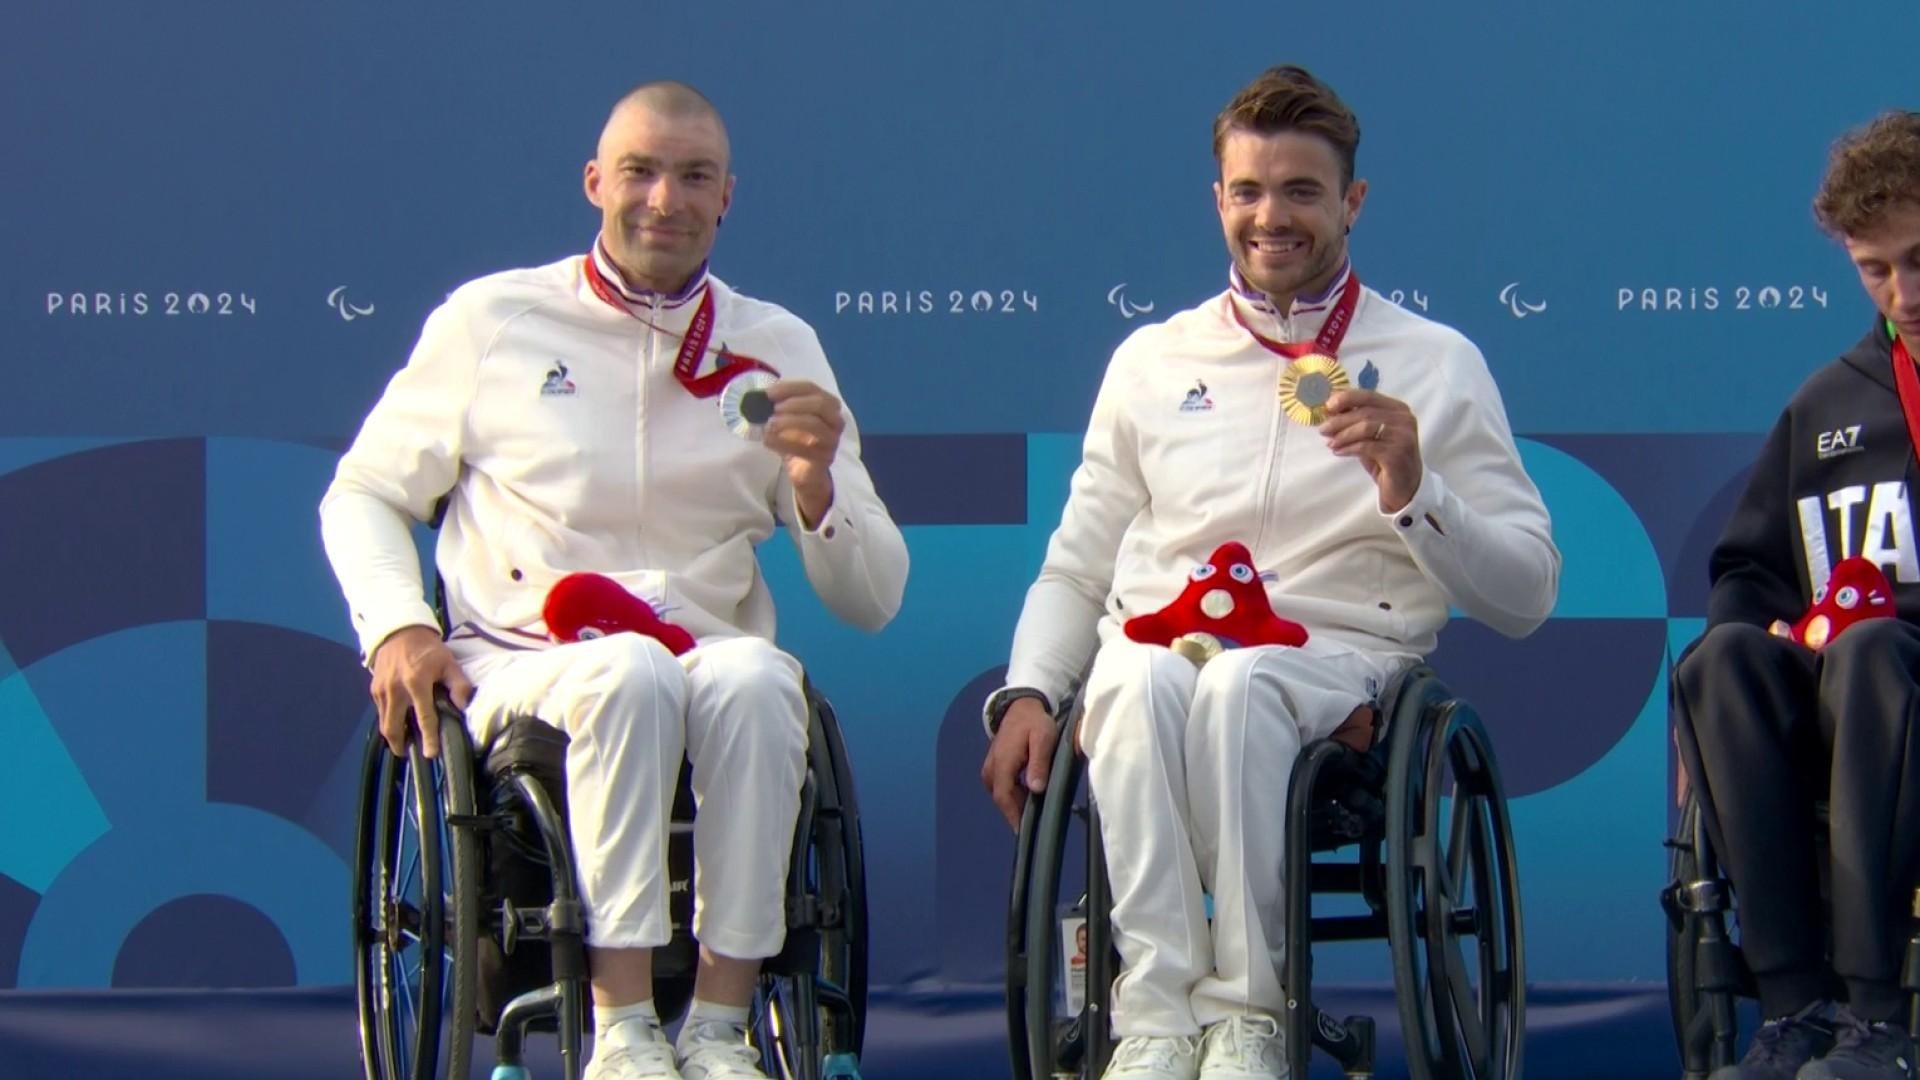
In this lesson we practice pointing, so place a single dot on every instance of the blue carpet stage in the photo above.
(1601, 1032)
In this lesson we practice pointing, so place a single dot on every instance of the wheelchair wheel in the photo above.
(1683, 988)
(1453, 899)
(1043, 1043)
(1701, 1001)
(809, 1016)
(415, 910)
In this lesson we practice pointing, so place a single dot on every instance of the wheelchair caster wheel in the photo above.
(840, 1067)
(511, 1072)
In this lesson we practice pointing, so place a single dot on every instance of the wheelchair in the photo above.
(467, 918)
(1706, 973)
(1433, 866)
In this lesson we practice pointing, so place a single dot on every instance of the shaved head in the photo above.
(660, 180)
(669, 99)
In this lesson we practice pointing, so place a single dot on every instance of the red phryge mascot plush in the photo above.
(1224, 598)
(1856, 591)
(581, 607)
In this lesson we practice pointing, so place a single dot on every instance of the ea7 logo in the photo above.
(1840, 441)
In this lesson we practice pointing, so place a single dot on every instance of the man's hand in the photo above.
(805, 432)
(406, 668)
(1020, 757)
(1381, 432)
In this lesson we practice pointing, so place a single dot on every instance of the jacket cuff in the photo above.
(1423, 519)
(376, 626)
(832, 524)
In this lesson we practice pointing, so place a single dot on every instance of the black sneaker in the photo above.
(1863, 1051)
(1782, 1046)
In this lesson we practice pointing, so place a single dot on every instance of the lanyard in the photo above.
(693, 344)
(1332, 332)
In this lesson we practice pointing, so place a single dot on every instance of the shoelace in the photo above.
(1855, 1034)
(1238, 1044)
(1771, 1042)
(648, 1057)
(1152, 1053)
(725, 1041)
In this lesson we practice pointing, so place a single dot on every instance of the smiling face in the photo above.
(1285, 210)
(661, 183)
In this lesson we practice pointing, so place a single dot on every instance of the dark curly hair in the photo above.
(1870, 170)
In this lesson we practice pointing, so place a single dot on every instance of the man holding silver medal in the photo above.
(625, 413)
(1362, 455)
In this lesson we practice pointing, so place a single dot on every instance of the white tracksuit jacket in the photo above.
(556, 422)
(1164, 480)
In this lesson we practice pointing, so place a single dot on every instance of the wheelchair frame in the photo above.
(1428, 891)
(416, 898)
(1706, 972)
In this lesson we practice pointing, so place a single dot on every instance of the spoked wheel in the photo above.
(415, 911)
(1046, 1044)
(812, 1026)
(1453, 899)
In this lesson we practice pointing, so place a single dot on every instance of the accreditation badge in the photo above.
(1307, 384)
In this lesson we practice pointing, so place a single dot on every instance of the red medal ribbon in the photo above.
(1332, 332)
(1908, 380)
(693, 344)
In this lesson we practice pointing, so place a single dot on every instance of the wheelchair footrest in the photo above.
(1350, 1041)
(840, 1067)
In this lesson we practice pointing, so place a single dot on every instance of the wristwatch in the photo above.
(1000, 700)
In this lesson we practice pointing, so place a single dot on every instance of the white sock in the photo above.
(706, 1012)
(626, 1024)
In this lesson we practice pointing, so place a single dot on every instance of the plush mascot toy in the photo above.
(1224, 601)
(581, 607)
(1856, 591)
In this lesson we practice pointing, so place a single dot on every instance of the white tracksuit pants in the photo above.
(1190, 769)
(632, 711)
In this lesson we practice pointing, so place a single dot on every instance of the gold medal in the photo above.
(1197, 647)
(1306, 385)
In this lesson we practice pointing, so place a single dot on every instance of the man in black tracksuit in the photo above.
(1767, 726)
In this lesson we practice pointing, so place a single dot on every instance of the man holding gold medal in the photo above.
(625, 413)
(1362, 455)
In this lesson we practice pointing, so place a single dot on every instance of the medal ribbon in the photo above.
(1908, 380)
(693, 344)
(1332, 332)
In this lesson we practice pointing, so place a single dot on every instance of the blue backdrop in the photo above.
(225, 224)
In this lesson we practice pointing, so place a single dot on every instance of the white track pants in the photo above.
(632, 711)
(1190, 767)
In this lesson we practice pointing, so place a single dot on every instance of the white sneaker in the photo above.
(643, 1054)
(1154, 1057)
(1243, 1048)
(717, 1050)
